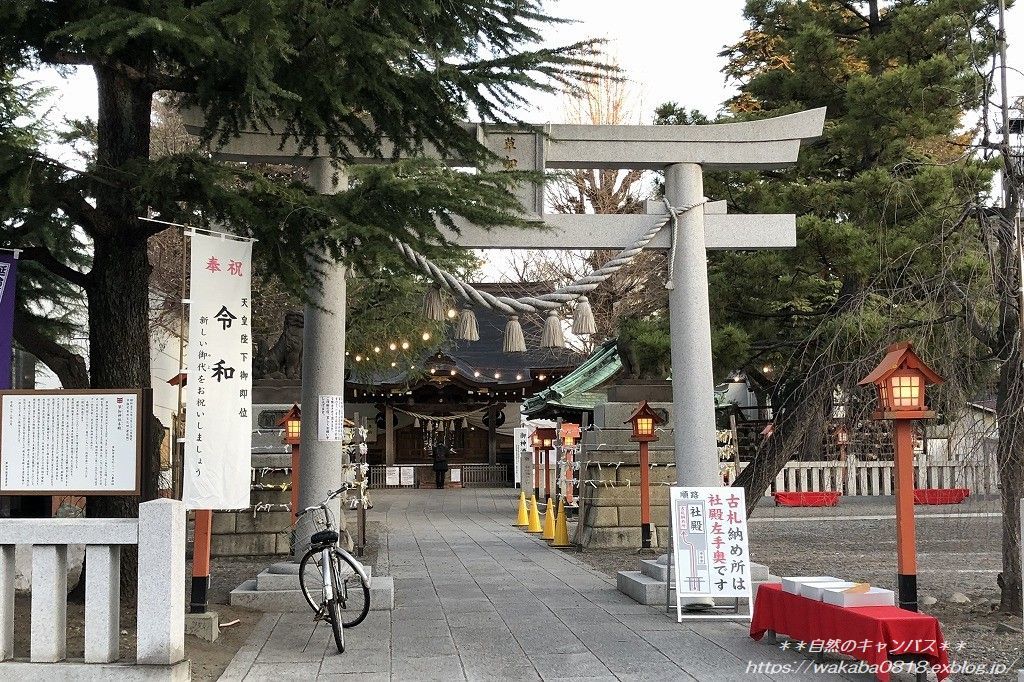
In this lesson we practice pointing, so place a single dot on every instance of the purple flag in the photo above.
(8, 273)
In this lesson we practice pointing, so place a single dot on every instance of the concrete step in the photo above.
(654, 568)
(382, 597)
(276, 577)
(645, 589)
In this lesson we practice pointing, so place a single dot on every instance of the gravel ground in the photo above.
(958, 552)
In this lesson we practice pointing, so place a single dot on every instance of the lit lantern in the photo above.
(570, 435)
(543, 437)
(900, 381)
(644, 419)
(291, 422)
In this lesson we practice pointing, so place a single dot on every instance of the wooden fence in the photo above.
(855, 477)
(475, 475)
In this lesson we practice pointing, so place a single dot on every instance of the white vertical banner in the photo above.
(218, 414)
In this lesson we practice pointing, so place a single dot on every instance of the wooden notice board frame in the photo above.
(144, 402)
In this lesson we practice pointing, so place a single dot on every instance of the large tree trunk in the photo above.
(797, 428)
(118, 288)
(69, 368)
(1010, 411)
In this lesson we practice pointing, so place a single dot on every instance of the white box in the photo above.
(875, 596)
(815, 590)
(792, 585)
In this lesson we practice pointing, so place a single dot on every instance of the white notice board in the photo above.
(81, 442)
(709, 539)
(408, 476)
(521, 438)
(331, 419)
(391, 476)
(456, 475)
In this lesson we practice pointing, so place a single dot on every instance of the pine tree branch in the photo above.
(64, 58)
(43, 256)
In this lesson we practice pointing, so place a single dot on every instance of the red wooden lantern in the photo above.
(900, 380)
(644, 419)
(291, 422)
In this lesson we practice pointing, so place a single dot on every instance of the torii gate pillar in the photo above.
(323, 342)
(693, 384)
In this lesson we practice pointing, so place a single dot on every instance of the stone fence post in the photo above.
(161, 612)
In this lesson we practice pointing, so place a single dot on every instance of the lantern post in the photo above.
(570, 434)
(900, 380)
(543, 440)
(644, 419)
(291, 422)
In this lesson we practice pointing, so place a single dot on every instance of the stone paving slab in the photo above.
(477, 599)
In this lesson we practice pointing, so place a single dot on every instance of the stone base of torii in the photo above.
(681, 152)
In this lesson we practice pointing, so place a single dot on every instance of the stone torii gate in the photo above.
(682, 152)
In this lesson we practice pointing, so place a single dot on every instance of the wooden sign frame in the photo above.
(144, 398)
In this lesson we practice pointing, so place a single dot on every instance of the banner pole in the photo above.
(201, 561)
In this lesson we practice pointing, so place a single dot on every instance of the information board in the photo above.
(331, 419)
(709, 536)
(521, 438)
(456, 474)
(391, 476)
(408, 476)
(80, 442)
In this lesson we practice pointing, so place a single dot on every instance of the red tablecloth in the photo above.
(867, 633)
(808, 499)
(940, 495)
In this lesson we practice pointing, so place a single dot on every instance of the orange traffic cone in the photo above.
(561, 538)
(523, 519)
(534, 526)
(549, 521)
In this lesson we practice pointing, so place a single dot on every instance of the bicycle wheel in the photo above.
(334, 612)
(311, 579)
(353, 592)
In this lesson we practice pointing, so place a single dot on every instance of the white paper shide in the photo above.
(218, 431)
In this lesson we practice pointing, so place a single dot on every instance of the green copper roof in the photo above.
(578, 389)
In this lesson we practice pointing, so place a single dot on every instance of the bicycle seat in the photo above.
(324, 537)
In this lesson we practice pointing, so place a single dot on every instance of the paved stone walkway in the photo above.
(477, 599)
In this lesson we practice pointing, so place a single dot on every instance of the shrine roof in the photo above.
(486, 355)
(578, 390)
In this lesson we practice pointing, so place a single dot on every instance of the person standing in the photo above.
(440, 463)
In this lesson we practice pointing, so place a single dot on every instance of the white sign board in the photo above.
(408, 476)
(218, 422)
(709, 535)
(456, 474)
(391, 476)
(55, 442)
(521, 438)
(331, 419)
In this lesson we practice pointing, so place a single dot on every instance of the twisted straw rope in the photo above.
(562, 295)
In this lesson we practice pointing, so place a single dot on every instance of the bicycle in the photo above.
(336, 585)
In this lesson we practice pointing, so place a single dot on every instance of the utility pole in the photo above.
(1008, 161)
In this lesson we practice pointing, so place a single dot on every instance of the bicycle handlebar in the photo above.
(323, 504)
